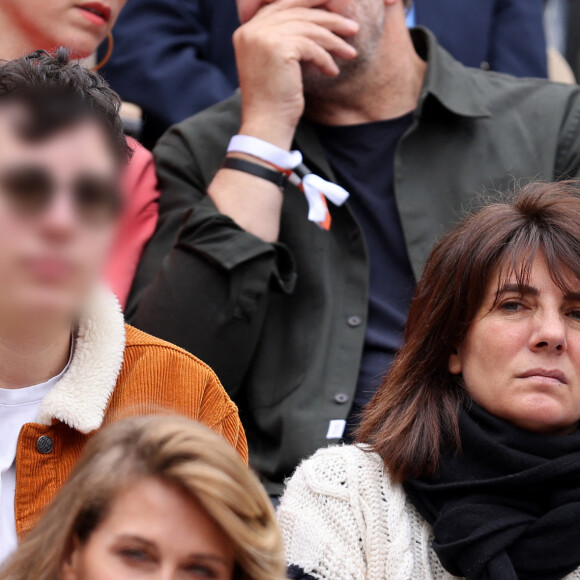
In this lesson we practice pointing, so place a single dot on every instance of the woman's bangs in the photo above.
(515, 263)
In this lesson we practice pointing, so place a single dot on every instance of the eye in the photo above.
(201, 571)
(134, 555)
(512, 306)
(575, 314)
(98, 199)
(28, 189)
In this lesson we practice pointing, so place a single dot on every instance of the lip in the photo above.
(51, 268)
(96, 12)
(546, 375)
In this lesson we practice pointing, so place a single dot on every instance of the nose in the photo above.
(167, 571)
(60, 219)
(550, 332)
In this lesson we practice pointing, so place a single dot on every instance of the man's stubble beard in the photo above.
(318, 85)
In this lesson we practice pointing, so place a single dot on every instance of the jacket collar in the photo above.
(81, 397)
(448, 80)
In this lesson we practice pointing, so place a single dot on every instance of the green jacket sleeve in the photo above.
(204, 282)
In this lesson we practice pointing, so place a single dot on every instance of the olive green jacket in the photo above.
(283, 325)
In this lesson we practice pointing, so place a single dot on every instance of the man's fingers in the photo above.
(334, 22)
(312, 52)
(323, 37)
(280, 5)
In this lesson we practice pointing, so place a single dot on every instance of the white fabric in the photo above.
(266, 151)
(17, 407)
(343, 519)
(315, 187)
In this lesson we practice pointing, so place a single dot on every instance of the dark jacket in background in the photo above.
(283, 325)
(173, 58)
(500, 35)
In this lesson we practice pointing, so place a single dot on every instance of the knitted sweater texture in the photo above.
(342, 518)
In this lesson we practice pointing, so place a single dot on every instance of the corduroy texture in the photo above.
(155, 376)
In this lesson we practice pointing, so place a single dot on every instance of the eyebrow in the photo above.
(137, 539)
(526, 289)
(518, 289)
(212, 557)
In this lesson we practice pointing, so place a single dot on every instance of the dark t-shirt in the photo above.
(362, 157)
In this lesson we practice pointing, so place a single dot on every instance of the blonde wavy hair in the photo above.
(171, 449)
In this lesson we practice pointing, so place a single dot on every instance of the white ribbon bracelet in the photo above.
(316, 189)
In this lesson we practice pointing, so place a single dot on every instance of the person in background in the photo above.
(173, 58)
(81, 26)
(68, 362)
(187, 61)
(556, 14)
(501, 35)
(573, 37)
(468, 459)
(301, 321)
(159, 497)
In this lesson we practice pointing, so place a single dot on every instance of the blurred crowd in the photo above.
(289, 289)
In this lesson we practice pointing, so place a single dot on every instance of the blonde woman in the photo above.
(155, 496)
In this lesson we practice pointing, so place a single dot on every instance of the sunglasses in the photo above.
(31, 190)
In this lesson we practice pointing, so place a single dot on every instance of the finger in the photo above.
(330, 20)
(310, 51)
(280, 5)
(323, 37)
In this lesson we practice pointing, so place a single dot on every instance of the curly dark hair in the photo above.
(59, 93)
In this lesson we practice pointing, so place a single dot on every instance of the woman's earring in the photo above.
(105, 59)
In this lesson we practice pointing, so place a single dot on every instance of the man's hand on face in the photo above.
(271, 49)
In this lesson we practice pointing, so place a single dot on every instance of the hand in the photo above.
(270, 51)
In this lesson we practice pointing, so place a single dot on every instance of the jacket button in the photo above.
(354, 321)
(44, 445)
(341, 398)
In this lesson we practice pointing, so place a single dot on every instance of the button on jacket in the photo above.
(115, 371)
(279, 323)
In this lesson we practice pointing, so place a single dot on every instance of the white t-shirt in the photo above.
(17, 407)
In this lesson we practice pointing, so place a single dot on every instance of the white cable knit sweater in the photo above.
(343, 519)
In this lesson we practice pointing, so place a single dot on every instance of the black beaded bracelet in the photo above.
(257, 170)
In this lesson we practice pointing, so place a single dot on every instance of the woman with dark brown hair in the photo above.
(468, 457)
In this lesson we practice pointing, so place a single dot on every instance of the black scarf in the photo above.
(507, 507)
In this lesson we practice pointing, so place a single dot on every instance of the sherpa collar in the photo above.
(81, 397)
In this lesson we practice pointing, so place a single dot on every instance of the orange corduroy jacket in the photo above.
(115, 371)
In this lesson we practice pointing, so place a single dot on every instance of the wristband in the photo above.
(316, 189)
(275, 177)
(265, 151)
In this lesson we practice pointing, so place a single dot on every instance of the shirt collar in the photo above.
(447, 80)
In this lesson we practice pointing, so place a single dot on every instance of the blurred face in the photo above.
(153, 531)
(80, 25)
(57, 219)
(370, 15)
(521, 358)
